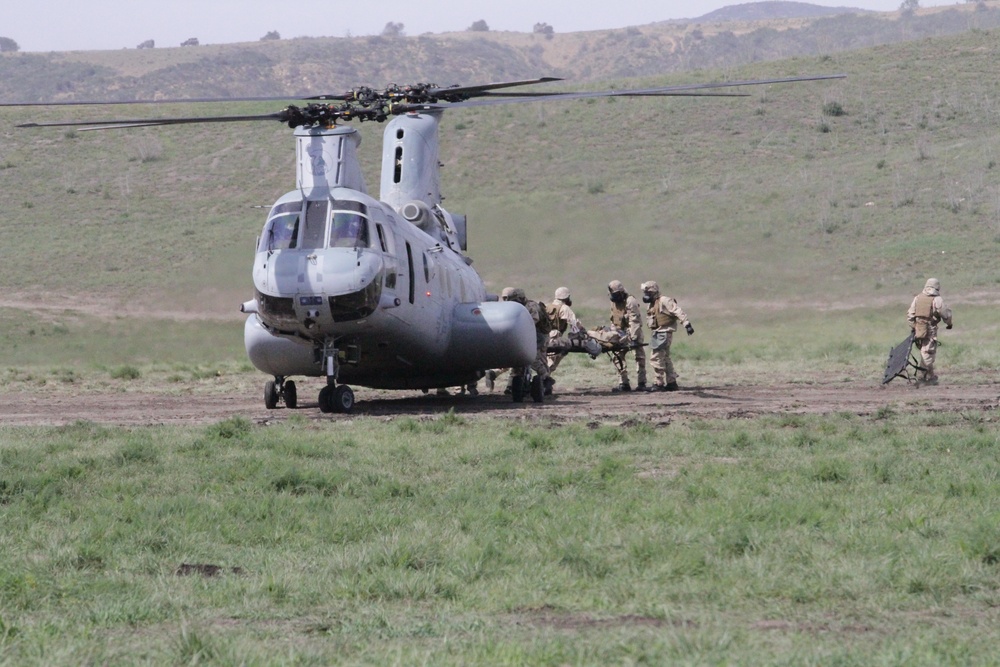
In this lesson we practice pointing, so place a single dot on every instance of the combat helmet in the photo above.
(616, 286)
(650, 287)
(932, 287)
(507, 294)
(562, 293)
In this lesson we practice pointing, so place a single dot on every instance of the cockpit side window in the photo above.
(349, 230)
(282, 228)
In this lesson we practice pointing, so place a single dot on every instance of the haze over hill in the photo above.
(65, 25)
(753, 32)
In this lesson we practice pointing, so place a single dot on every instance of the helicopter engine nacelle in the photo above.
(420, 215)
(437, 222)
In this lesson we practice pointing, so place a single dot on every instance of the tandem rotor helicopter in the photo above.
(378, 292)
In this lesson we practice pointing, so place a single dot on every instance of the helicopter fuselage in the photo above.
(347, 286)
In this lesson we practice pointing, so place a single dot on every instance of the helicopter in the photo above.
(378, 291)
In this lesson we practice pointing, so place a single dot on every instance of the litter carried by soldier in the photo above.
(926, 311)
(563, 321)
(625, 316)
(662, 316)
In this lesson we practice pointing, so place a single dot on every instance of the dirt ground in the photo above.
(153, 407)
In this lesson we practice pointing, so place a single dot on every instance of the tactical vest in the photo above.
(544, 324)
(619, 316)
(553, 312)
(923, 309)
(661, 320)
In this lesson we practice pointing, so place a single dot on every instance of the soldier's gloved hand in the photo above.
(689, 328)
(947, 326)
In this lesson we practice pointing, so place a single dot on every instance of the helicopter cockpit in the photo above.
(282, 229)
(348, 228)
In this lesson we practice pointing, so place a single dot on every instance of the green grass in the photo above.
(72, 352)
(794, 540)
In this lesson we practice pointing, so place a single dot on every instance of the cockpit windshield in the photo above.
(282, 228)
(304, 225)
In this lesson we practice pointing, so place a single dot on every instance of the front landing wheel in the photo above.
(336, 399)
(343, 399)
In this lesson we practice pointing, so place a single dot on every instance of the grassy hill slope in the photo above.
(819, 195)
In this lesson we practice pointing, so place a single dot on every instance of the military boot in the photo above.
(624, 386)
(671, 386)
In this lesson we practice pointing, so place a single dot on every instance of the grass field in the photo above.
(787, 540)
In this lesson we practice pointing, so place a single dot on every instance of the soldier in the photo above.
(662, 316)
(563, 320)
(927, 309)
(542, 328)
(625, 316)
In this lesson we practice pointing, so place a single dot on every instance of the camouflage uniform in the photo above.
(662, 316)
(926, 310)
(541, 320)
(625, 315)
(563, 320)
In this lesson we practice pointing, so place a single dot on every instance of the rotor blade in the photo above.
(476, 91)
(680, 90)
(150, 122)
(175, 100)
(624, 93)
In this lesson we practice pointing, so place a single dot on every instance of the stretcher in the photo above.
(606, 340)
(902, 362)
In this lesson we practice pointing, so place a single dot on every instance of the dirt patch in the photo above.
(596, 407)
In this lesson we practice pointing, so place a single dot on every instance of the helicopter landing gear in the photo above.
(526, 385)
(334, 397)
(278, 390)
(338, 398)
(537, 389)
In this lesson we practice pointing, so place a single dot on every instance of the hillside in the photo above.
(835, 192)
(773, 10)
(736, 36)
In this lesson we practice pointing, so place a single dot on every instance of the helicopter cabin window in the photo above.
(282, 228)
(315, 224)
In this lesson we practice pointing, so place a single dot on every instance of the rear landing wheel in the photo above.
(517, 389)
(270, 395)
(537, 390)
